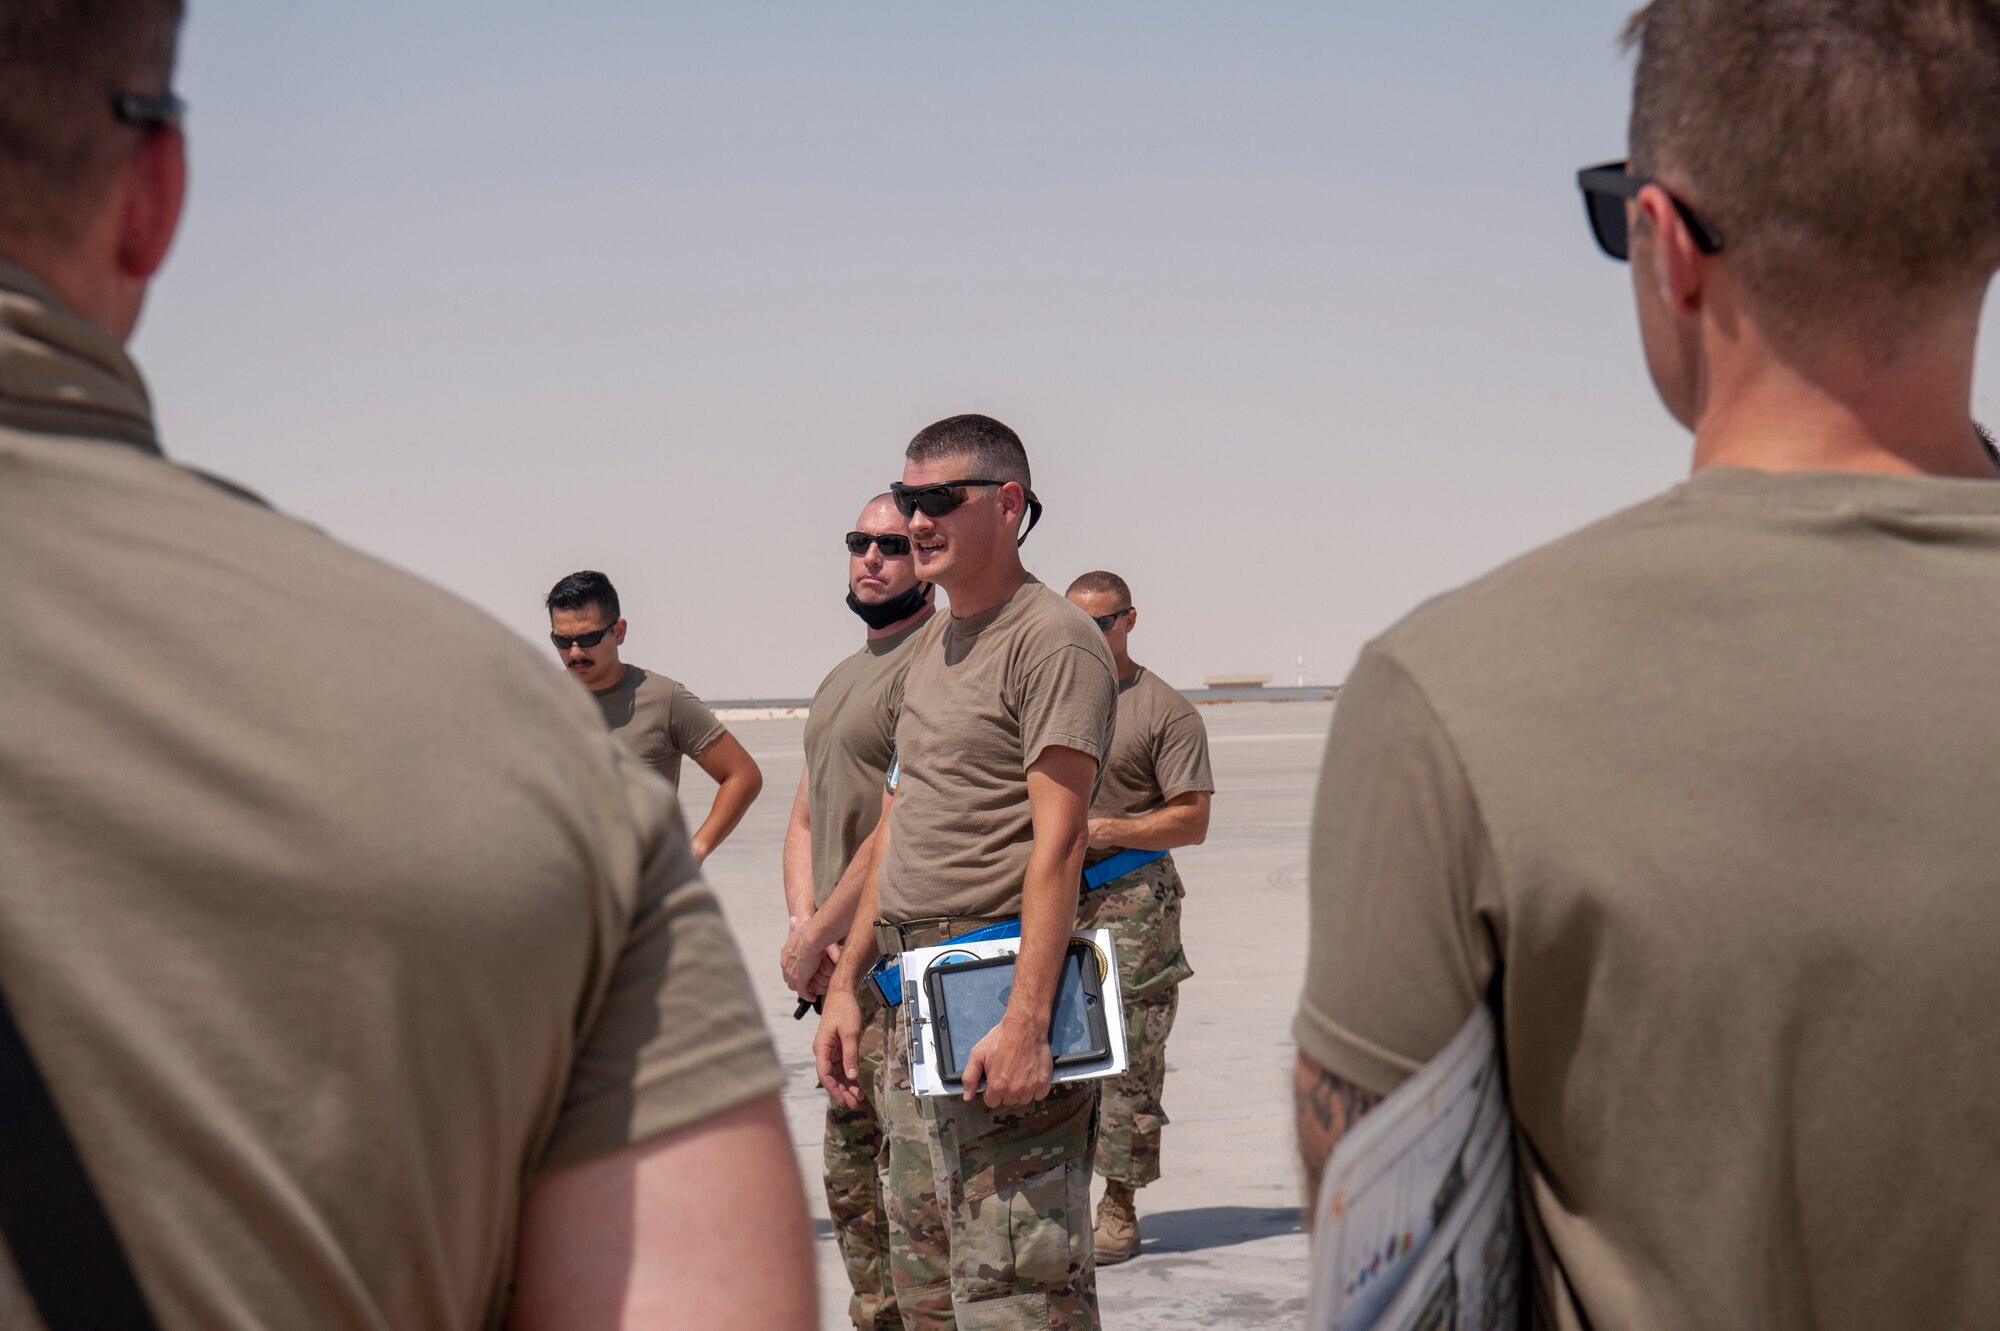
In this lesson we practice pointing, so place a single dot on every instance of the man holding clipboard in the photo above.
(1007, 715)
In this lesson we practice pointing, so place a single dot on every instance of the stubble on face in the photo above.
(957, 546)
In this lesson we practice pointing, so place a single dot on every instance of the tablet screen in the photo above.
(974, 997)
(1070, 1033)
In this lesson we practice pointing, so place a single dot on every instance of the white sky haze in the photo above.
(1293, 304)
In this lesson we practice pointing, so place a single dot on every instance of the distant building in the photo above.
(1234, 681)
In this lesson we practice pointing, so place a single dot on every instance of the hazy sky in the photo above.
(1293, 305)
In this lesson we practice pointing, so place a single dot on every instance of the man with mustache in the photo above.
(656, 715)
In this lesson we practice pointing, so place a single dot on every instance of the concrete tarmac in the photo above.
(1222, 1246)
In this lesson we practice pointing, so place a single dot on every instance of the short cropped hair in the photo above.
(580, 591)
(993, 450)
(1099, 580)
(62, 65)
(1847, 150)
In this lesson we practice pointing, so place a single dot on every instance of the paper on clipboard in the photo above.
(1416, 1223)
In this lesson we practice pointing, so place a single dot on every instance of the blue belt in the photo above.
(892, 994)
(1124, 862)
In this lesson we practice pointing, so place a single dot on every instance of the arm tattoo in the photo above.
(1328, 1108)
(1333, 1103)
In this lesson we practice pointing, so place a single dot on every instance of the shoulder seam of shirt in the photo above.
(1081, 743)
(1361, 1042)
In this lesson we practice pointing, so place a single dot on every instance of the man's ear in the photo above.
(1676, 257)
(155, 189)
(618, 633)
(1014, 508)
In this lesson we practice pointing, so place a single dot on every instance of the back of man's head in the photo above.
(63, 65)
(991, 451)
(1848, 151)
(580, 591)
(1103, 581)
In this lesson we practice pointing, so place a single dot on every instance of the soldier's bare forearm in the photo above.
(1059, 785)
(1181, 822)
(1048, 916)
(859, 953)
(738, 781)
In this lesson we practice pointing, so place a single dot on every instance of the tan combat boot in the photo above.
(1116, 1233)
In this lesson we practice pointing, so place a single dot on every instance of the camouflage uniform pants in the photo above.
(856, 1153)
(989, 1209)
(1143, 912)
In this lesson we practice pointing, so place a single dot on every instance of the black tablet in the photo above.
(968, 999)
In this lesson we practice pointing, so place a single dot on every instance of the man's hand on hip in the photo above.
(1014, 1062)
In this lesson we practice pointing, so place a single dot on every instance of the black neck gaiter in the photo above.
(885, 613)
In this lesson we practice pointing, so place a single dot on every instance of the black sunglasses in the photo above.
(892, 546)
(1105, 623)
(1605, 189)
(163, 111)
(934, 501)
(591, 639)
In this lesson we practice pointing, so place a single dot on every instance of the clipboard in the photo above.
(968, 999)
(1087, 1023)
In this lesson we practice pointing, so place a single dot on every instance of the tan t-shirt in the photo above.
(984, 697)
(660, 719)
(1159, 754)
(1704, 795)
(850, 736)
(322, 964)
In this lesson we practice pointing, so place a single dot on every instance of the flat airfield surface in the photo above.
(1222, 1244)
